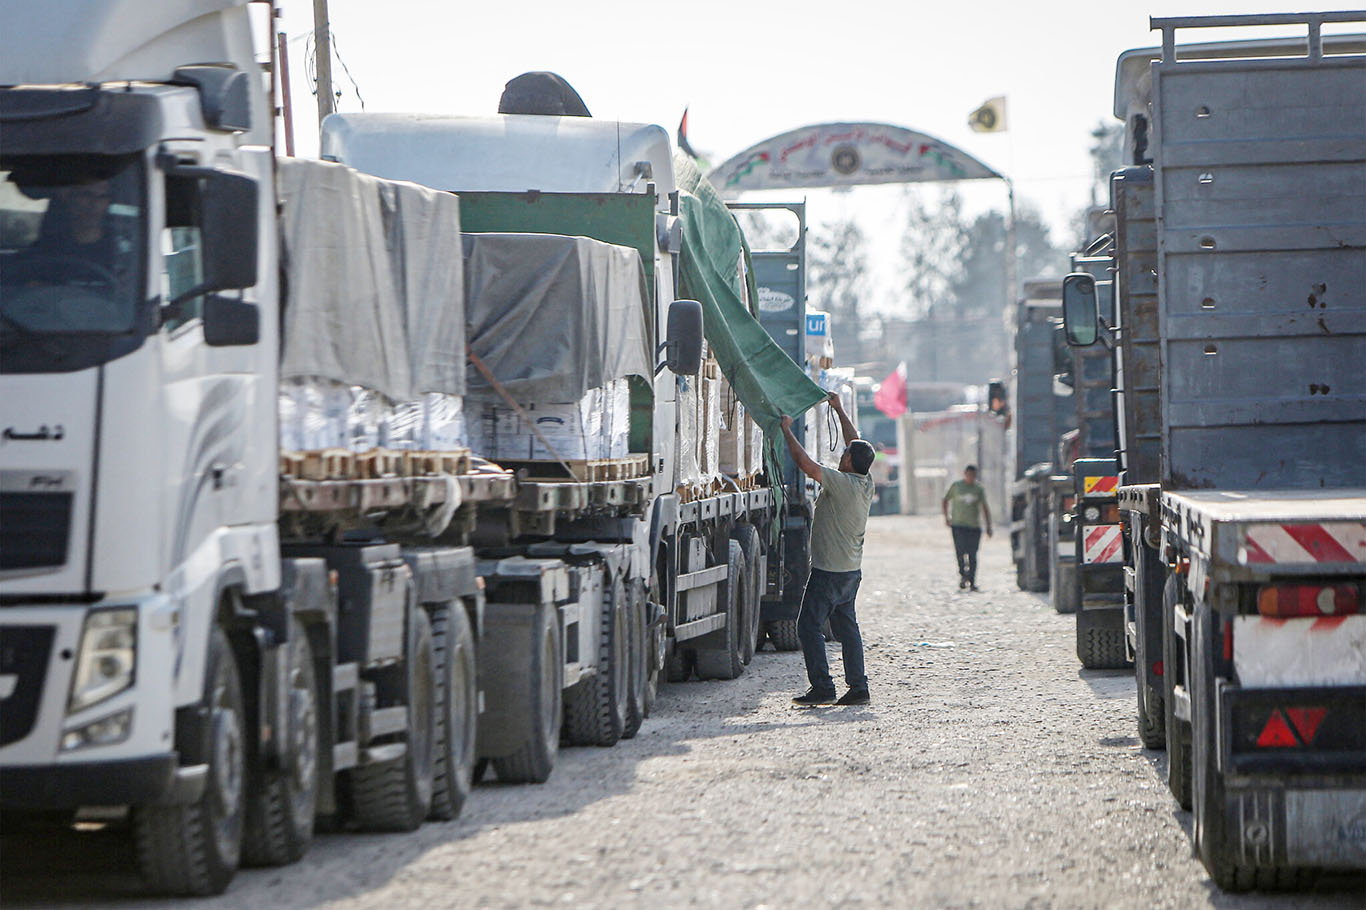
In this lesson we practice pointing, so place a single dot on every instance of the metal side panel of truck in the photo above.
(1260, 172)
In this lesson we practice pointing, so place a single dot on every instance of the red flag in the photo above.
(890, 396)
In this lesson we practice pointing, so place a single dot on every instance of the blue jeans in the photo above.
(830, 595)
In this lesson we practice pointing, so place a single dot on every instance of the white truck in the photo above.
(218, 640)
(1242, 416)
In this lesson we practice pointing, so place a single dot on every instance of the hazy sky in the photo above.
(748, 70)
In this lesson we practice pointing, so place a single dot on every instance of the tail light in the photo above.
(1308, 600)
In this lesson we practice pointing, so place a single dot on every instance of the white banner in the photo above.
(845, 154)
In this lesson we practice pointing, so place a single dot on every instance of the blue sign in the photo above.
(815, 323)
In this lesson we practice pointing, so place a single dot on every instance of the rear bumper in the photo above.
(134, 781)
(1318, 824)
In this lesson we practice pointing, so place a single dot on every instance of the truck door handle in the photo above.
(216, 471)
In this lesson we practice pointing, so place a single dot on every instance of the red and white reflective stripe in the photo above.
(1102, 543)
(1337, 541)
(1104, 484)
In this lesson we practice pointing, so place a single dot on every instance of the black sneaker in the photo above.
(972, 586)
(854, 697)
(962, 584)
(815, 697)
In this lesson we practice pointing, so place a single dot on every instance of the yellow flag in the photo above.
(990, 117)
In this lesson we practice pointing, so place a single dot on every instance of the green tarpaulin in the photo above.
(767, 381)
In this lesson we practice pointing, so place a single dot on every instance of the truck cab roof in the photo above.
(510, 153)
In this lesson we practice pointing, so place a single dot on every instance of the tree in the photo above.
(933, 245)
(837, 281)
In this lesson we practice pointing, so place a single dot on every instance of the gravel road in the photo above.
(989, 771)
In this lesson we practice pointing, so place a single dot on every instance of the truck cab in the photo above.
(137, 467)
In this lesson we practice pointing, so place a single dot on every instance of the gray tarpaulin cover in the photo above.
(373, 272)
(554, 316)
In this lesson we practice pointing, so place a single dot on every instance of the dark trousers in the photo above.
(965, 541)
(830, 596)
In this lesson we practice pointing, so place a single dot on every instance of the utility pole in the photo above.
(322, 45)
(282, 61)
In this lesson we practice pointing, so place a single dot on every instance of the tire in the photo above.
(535, 758)
(639, 658)
(1178, 732)
(397, 795)
(1152, 721)
(652, 673)
(281, 803)
(1062, 577)
(679, 665)
(195, 849)
(783, 634)
(457, 710)
(1100, 644)
(748, 539)
(595, 709)
(725, 660)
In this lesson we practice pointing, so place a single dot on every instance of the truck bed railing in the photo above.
(1314, 22)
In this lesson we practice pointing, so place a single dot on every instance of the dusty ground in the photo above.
(989, 771)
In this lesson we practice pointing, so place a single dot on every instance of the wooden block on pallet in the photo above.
(291, 464)
(328, 464)
(378, 463)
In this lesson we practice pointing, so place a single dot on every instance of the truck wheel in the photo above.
(1100, 641)
(281, 803)
(194, 849)
(397, 795)
(783, 634)
(726, 659)
(1152, 722)
(457, 710)
(1064, 587)
(748, 538)
(595, 709)
(679, 665)
(652, 674)
(1178, 731)
(639, 658)
(535, 758)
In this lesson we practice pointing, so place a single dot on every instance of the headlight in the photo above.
(104, 665)
(1092, 514)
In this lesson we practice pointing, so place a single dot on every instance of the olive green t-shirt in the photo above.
(965, 504)
(841, 518)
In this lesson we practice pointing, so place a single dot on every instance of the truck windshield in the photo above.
(71, 247)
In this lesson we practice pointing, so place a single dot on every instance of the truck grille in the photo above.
(24, 653)
(34, 529)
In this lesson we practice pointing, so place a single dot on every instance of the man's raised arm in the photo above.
(805, 463)
(846, 425)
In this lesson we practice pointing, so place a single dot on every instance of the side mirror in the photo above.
(229, 231)
(684, 339)
(1080, 316)
(229, 322)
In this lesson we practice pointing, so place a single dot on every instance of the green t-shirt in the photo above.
(841, 518)
(965, 504)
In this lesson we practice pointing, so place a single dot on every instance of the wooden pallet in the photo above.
(326, 464)
(427, 464)
(376, 464)
(590, 470)
(379, 463)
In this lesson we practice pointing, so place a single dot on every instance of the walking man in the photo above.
(836, 560)
(964, 507)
